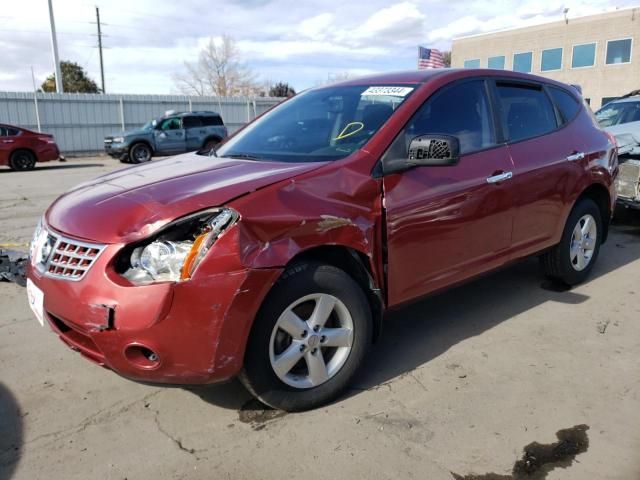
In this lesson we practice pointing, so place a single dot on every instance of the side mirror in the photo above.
(434, 150)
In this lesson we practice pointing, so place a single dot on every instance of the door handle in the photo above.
(7, 141)
(575, 156)
(500, 177)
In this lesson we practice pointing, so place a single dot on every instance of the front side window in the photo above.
(526, 111)
(618, 51)
(473, 63)
(617, 113)
(318, 125)
(584, 55)
(461, 110)
(496, 63)
(551, 59)
(522, 62)
(171, 124)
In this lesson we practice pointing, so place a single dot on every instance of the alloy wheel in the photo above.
(583, 242)
(311, 341)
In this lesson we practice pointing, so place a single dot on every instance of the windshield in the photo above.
(617, 113)
(150, 125)
(318, 125)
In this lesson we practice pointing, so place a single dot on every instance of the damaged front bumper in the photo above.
(191, 332)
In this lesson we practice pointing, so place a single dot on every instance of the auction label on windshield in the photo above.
(392, 91)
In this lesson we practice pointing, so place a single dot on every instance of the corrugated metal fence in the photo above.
(81, 121)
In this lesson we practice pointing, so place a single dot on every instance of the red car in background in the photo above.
(20, 148)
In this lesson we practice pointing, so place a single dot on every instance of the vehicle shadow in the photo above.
(420, 332)
(11, 433)
(416, 334)
(56, 167)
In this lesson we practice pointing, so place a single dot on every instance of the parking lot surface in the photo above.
(459, 384)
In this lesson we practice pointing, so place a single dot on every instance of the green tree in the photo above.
(281, 89)
(74, 80)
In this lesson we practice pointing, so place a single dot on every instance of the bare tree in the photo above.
(219, 71)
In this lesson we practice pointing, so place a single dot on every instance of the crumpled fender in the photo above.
(335, 205)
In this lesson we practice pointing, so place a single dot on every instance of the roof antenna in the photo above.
(566, 19)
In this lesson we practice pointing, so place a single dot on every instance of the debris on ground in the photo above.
(602, 325)
(13, 265)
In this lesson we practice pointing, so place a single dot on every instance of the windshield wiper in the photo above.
(245, 156)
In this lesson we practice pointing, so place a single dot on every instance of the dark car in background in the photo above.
(20, 148)
(173, 133)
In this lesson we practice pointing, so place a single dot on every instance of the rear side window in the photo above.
(212, 120)
(190, 122)
(527, 111)
(8, 131)
(566, 103)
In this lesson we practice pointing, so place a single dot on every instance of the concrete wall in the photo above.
(597, 82)
(81, 121)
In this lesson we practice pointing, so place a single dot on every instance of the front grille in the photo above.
(71, 259)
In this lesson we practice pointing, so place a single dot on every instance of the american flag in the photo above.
(429, 58)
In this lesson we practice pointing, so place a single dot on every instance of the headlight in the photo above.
(118, 139)
(174, 254)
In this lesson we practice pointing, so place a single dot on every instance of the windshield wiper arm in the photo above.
(246, 156)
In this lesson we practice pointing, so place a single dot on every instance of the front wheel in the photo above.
(140, 153)
(573, 258)
(308, 339)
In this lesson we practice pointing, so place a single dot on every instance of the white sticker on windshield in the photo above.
(390, 91)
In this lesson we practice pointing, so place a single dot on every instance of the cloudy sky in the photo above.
(302, 42)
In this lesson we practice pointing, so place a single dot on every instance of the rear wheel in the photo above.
(22, 160)
(140, 153)
(309, 338)
(573, 258)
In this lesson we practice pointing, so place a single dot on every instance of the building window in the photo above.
(496, 62)
(618, 51)
(588, 100)
(475, 63)
(551, 60)
(522, 62)
(583, 55)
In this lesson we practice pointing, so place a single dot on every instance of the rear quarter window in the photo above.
(566, 103)
(527, 111)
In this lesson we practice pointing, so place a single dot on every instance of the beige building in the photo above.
(599, 52)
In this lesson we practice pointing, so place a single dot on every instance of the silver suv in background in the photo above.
(621, 118)
(170, 134)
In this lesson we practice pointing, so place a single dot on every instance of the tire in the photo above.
(210, 145)
(22, 160)
(140, 153)
(304, 289)
(571, 260)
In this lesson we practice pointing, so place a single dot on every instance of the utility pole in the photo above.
(54, 47)
(100, 47)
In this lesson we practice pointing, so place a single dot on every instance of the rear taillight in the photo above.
(47, 139)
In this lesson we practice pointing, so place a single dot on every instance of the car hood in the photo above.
(134, 202)
(131, 133)
(627, 136)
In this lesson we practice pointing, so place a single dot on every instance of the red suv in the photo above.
(21, 148)
(275, 257)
